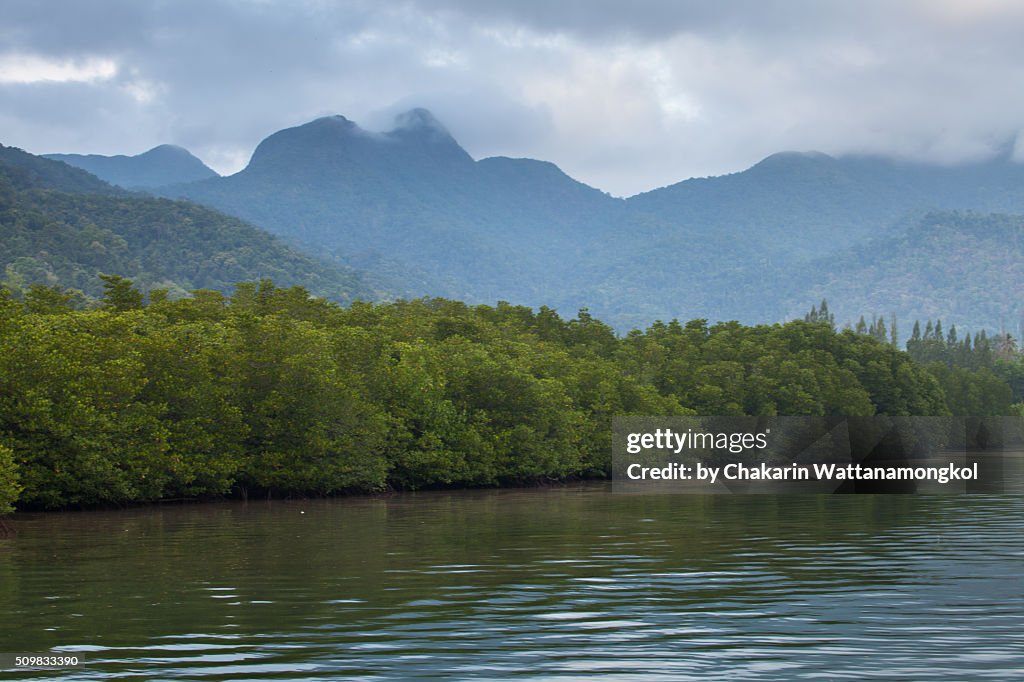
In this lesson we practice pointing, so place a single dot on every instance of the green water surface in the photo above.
(558, 583)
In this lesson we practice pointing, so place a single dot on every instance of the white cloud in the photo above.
(143, 91)
(28, 68)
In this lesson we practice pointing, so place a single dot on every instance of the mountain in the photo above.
(795, 205)
(61, 226)
(414, 201)
(765, 243)
(28, 171)
(413, 205)
(163, 165)
(965, 268)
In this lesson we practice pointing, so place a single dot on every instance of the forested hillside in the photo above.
(414, 204)
(213, 388)
(28, 171)
(60, 226)
(758, 245)
(804, 205)
(965, 268)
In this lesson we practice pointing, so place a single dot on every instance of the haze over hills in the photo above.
(759, 245)
(961, 267)
(61, 226)
(162, 165)
(804, 204)
(413, 198)
(744, 246)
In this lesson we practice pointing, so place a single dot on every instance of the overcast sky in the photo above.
(625, 96)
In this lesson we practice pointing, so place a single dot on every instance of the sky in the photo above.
(625, 96)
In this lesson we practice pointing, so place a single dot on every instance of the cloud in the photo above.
(624, 96)
(27, 68)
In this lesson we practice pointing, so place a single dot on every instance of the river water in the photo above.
(559, 583)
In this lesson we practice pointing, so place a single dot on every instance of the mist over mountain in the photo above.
(60, 226)
(162, 165)
(755, 245)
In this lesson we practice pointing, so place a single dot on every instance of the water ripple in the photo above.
(553, 584)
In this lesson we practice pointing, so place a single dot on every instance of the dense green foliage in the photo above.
(980, 375)
(271, 391)
(9, 488)
(60, 225)
(27, 171)
(107, 398)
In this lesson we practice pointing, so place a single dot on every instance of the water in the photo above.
(562, 583)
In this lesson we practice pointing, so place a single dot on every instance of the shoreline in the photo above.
(230, 499)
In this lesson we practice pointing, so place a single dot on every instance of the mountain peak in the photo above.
(168, 150)
(164, 164)
(790, 158)
(334, 147)
(174, 155)
(335, 121)
(421, 123)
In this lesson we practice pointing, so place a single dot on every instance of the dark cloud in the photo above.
(654, 19)
(625, 96)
